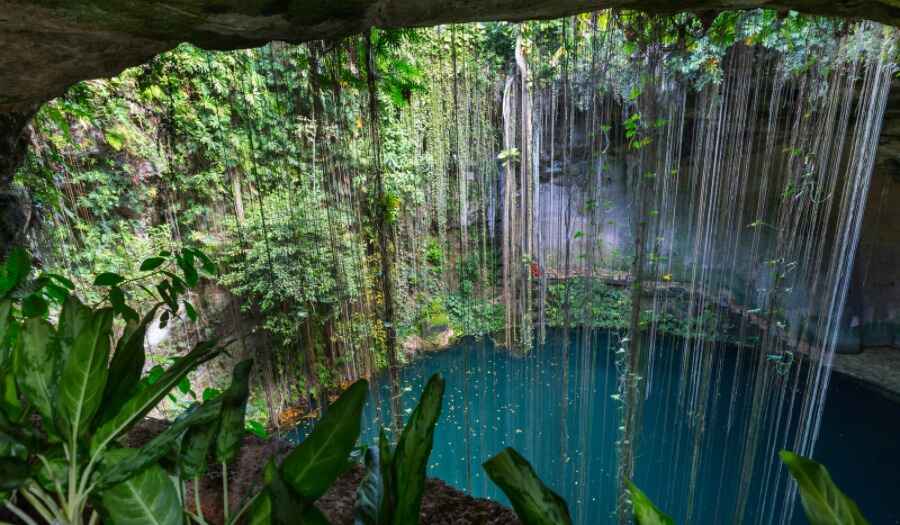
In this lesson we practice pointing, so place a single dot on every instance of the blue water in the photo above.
(518, 401)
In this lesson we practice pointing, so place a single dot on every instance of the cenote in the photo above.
(496, 398)
(640, 248)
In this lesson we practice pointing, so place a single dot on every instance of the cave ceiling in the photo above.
(47, 45)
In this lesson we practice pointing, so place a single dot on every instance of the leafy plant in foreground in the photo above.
(84, 389)
(535, 504)
(823, 502)
(391, 492)
(292, 488)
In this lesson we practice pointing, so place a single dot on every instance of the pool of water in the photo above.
(563, 419)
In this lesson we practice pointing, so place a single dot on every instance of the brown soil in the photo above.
(442, 504)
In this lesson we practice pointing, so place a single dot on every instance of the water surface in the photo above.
(495, 399)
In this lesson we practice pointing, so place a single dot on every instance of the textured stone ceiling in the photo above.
(46, 45)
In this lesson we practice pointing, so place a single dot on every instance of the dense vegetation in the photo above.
(270, 161)
(81, 381)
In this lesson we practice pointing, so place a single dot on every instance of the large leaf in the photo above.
(37, 365)
(145, 399)
(234, 405)
(314, 464)
(645, 512)
(260, 512)
(126, 366)
(194, 453)
(14, 270)
(134, 460)
(73, 319)
(534, 502)
(413, 450)
(148, 498)
(823, 502)
(5, 321)
(10, 447)
(84, 375)
(370, 494)
(13, 473)
(10, 404)
(278, 504)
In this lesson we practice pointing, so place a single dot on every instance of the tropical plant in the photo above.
(81, 387)
(536, 504)
(823, 502)
(73, 466)
(305, 474)
(392, 489)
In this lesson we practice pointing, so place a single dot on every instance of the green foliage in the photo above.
(148, 497)
(823, 502)
(534, 502)
(645, 512)
(234, 405)
(63, 374)
(391, 492)
(307, 472)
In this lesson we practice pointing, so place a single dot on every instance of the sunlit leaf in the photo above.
(823, 502)
(534, 502)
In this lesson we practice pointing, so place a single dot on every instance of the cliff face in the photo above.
(874, 297)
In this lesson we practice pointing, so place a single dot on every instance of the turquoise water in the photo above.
(500, 399)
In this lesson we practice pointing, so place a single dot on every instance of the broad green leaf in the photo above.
(195, 447)
(186, 263)
(37, 365)
(145, 399)
(10, 404)
(84, 375)
(413, 450)
(134, 460)
(73, 318)
(148, 498)
(126, 366)
(370, 494)
(314, 464)
(13, 473)
(5, 323)
(645, 512)
(151, 264)
(260, 512)
(66, 283)
(54, 472)
(14, 270)
(288, 507)
(277, 504)
(386, 460)
(234, 405)
(823, 502)
(56, 292)
(10, 447)
(108, 279)
(311, 516)
(257, 429)
(189, 309)
(34, 305)
(534, 502)
(207, 264)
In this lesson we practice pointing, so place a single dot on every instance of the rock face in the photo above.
(14, 211)
(49, 45)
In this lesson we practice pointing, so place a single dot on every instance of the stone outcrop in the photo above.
(49, 45)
